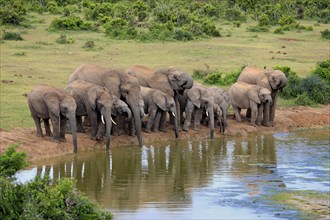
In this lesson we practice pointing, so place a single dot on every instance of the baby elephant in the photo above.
(243, 96)
(156, 101)
(46, 103)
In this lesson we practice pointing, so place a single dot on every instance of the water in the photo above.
(212, 179)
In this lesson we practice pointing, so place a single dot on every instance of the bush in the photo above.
(11, 36)
(182, 35)
(71, 23)
(213, 78)
(264, 20)
(304, 99)
(233, 14)
(12, 13)
(279, 30)
(293, 88)
(317, 89)
(325, 34)
(258, 28)
(38, 199)
(89, 44)
(63, 39)
(120, 29)
(323, 70)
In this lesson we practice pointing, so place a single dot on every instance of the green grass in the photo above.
(46, 61)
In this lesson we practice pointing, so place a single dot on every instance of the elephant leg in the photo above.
(122, 124)
(62, 129)
(260, 113)
(157, 121)
(87, 122)
(266, 115)
(131, 127)
(100, 131)
(152, 115)
(188, 110)
(115, 126)
(47, 128)
(197, 119)
(37, 122)
(80, 127)
(56, 127)
(254, 112)
(163, 120)
(93, 118)
(237, 112)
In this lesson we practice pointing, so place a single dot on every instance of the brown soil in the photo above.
(287, 119)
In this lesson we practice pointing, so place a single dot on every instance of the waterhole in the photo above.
(224, 178)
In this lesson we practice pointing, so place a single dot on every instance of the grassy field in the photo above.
(39, 59)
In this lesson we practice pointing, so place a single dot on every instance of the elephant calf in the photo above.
(46, 102)
(243, 96)
(156, 102)
(95, 102)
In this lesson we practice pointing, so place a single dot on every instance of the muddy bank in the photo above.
(287, 119)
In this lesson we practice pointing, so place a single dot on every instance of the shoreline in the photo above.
(287, 119)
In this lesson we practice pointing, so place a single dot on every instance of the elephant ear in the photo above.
(265, 79)
(53, 103)
(115, 101)
(159, 80)
(91, 98)
(160, 100)
(194, 95)
(253, 94)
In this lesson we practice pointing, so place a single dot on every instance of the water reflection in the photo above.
(128, 178)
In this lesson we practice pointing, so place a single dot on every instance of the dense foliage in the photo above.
(167, 20)
(39, 199)
(312, 89)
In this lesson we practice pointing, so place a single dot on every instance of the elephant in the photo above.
(199, 98)
(121, 113)
(255, 97)
(157, 101)
(170, 80)
(95, 102)
(273, 80)
(221, 98)
(118, 83)
(46, 102)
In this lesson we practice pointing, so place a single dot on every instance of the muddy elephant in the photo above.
(273, 80)
(198, 99)
(118, 82)
(171, 81)
(46, 102)
(255, 97)
(221, 98)
(95, 102)
(156, 101)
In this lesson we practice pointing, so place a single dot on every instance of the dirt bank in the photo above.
(287, 119)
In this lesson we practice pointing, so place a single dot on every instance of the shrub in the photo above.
(11, 36)
(325, 34)
(258, 28)
(183, 35)
(303, 99)
(120, 29)
(12, 13)
(323, 70)
(213, 78)
(63, 39)
(71, 23)
(264, 20)
(293, 87)
(89, 44)
(317, 89)
(11, 161)
(53, 8)
(233, 14)
(279, 30)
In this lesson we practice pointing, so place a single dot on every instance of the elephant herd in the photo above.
(116, 101)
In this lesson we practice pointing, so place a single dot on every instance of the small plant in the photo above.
(325, 34)
(20, 54)
(11, 161)
(279, 30)
(304, 99)
(89, 44)
(63, 39)
(11, 36)
(258, 28)
(237, 24)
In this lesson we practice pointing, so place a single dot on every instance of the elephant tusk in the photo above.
(113, 121)
(207, 114)
(102, 118)
(173, 114)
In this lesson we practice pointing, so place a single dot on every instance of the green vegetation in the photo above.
(156, 34)
(11, 36)
(39, 199)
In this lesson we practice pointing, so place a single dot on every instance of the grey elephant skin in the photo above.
(273, 80)
(93, 101)
(156, 102)
(169, 80)
(255, 97)
(118, 83)
(221, 98)
(199, 99)
(46, 102)
(121, 114)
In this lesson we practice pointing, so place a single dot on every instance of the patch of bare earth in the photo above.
(287, 119)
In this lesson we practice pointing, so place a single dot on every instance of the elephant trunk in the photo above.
(136, 114)
(176, 126)
(108, 124)
(189, 81)
(72, 121)
(211, 120)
